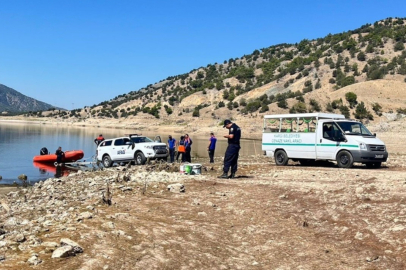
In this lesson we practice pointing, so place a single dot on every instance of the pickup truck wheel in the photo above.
(281, 158)
(140, 158)
(345, 159)
(374, 165)
(107, 161)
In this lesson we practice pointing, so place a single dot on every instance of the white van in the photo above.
(306, 137)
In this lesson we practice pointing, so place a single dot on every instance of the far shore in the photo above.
(195, 128)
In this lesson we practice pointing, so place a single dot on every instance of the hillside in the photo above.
(360, 73)
(12, 101)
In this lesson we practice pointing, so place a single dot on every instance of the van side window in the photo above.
(307, 125)
(327, 131)
(271, 125)
(331, 132)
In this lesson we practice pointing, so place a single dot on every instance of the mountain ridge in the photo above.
(301, 77)
(12, 101)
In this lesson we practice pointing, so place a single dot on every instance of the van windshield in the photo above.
(354, 128)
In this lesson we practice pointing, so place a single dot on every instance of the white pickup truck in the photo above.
(133, 147)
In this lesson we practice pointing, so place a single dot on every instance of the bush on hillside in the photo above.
(345, 111)
(351, 98)
(377, 108)
(282, 104)
(361, 112)
(361, 56)
(399, 46)
(299, 107)
(315, 105)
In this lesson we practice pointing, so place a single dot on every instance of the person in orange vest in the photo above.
(99, 139)
(181, 149)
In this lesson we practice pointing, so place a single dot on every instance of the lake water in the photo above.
(19, 143)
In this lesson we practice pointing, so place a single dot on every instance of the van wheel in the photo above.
(373, 165)
(107, 161)
(345, 159)
(140, 158)
(281, 159)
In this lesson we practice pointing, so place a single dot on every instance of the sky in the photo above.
(79, 53)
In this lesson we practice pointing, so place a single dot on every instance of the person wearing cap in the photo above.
(99, 139)
(171, 146)
(212, 146)
(231, 155)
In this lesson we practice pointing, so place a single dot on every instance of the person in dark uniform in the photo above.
(231, 155)
(59, 155)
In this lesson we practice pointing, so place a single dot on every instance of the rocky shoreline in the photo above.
(153, 217)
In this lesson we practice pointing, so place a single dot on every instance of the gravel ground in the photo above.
(292, 217)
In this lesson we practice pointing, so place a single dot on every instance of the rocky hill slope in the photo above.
(12, 101)
(359, 73)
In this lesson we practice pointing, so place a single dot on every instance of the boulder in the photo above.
(76, 247)
(176, 188)
(63, 252)
(34, 260)
(84, 215)
(22, 177)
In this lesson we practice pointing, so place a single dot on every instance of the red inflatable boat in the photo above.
(70, 156)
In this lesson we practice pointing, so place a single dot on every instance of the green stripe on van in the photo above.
(294, 144)
(312, 144)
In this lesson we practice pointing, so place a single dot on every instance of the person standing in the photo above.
(212, 147)
(181, 149)
(188, 148)
(233, 148)
(99, 139)
(59, 155)
(171, 146)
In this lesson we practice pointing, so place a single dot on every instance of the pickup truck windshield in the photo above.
(141, 139)
(354, 128)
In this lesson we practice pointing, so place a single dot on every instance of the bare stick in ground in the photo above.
(107, 196)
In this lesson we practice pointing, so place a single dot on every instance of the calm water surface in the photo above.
(19, 143)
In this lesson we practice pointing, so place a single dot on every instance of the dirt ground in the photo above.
(293, 217)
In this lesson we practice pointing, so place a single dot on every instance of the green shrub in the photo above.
(345, 111)
(351, 98)
(399, 46)
(361, 56)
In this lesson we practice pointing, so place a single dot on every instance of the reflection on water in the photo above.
(50, 170)
(19, 143)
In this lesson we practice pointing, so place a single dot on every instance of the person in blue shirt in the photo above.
(212, 147)
(171, 146)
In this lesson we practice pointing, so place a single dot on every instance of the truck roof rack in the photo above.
(133, 135)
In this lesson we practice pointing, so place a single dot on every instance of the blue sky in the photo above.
(79, 53)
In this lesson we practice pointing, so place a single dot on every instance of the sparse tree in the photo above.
(351, 98)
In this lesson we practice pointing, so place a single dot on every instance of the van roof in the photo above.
(306, 115)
